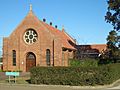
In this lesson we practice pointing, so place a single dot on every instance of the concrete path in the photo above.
(114, 88)
(30, 87)
(49, 87)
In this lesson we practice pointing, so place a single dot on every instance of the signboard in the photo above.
(12, 73)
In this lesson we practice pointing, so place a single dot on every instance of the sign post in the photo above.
(12, 74)
(9, 79)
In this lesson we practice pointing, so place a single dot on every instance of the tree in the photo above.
(113, 16)
(113, 48)
(112, 53)
(0, 59)
(113, 13)
(112, 40)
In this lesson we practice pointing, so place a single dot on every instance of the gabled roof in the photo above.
(67, 41)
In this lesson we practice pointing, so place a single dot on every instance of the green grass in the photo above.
(19, 80)
(1, 70)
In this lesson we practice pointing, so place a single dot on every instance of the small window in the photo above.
(14, 57)
(48, 57)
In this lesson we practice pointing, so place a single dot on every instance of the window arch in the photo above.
(48, 57)
(31, 56)
(14, 57)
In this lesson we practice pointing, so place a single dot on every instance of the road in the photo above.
(48, 87)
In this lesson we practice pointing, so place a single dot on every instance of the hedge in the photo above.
(86, 62)
(75, 75)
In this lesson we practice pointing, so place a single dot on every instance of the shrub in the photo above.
(101, 75)
(74, 62)
(87, 62)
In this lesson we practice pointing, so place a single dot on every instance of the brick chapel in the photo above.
(36, 43)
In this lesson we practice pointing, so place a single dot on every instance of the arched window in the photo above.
(14, 57)
(48, 57)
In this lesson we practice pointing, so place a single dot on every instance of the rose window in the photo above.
(30, 36)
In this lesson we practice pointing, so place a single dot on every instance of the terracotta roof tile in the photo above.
(100, 47)
(67, 42)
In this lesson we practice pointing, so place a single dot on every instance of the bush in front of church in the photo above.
(77, 76)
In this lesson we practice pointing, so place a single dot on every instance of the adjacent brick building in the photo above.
(90, 51)
(35, 43)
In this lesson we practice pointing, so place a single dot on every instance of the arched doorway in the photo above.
(30, 61)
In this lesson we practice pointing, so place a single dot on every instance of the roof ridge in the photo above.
(50, 26)
(69, 36)
(64, 37)
(98, 44)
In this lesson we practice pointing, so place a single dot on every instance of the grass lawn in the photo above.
(0, 70)
(19, 80)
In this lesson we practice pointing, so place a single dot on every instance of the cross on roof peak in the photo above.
(30, 7)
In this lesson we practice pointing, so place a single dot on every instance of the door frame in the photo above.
(34, 63)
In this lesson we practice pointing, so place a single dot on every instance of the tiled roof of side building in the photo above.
(100, 47)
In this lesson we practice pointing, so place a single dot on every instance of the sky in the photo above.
(82, 19)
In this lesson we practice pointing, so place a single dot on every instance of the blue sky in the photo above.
(82, 19)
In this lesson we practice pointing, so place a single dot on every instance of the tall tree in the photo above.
(112, 46)
(113, 13)
(113, 39)
(113, 17)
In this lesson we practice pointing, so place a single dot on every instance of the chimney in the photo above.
(75, 41)
(44, 20)
(51, 23)
(63, 30)
(55, 26)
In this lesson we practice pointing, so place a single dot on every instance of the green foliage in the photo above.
(75, 75)
(113, 13)
(112, 54)
(74, 62)
(7, 71)
(12, 71)
(1, 70)
(87, 62)
(113, 51)
(105, 61)
(0, 59)
(113, 17)
(112, 39)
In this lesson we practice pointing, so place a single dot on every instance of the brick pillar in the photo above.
(65, 58)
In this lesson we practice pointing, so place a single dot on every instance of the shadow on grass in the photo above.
(28, 81)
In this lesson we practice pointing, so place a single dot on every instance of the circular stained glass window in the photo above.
(30, 36)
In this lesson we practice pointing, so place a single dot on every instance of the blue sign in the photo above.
(12, 73)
